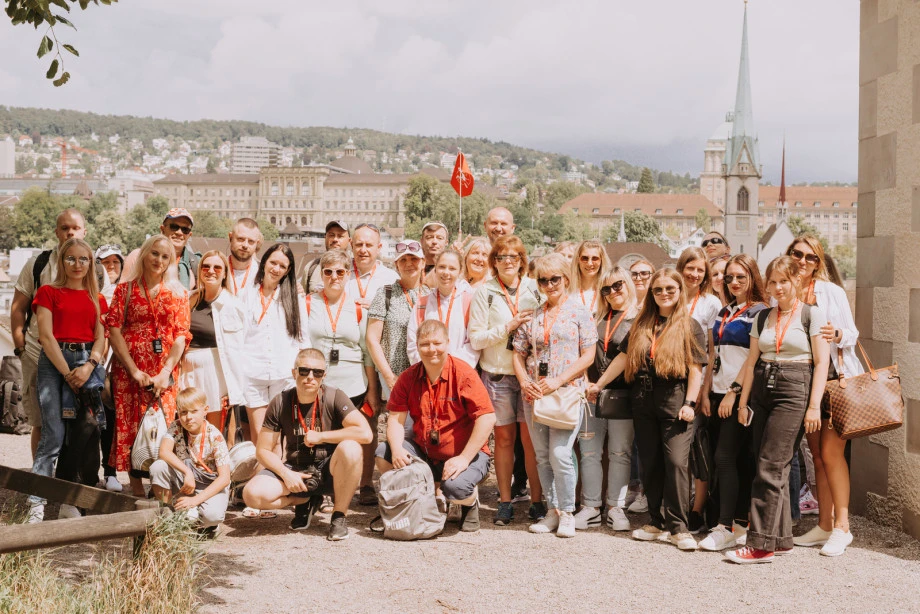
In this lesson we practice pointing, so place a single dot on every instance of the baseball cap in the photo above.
(113, 249)
(408, 247)
(178, 212)
(338, 223)
(435, 224)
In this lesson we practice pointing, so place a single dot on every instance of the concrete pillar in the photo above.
(886, 467)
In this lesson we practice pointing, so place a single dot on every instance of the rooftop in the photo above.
(809, 195)
(669, 204)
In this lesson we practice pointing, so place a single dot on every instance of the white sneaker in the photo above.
(567, 525)
(617, 520)
(719, 539)
(193, 516)
(587, 517)
(547, 524)
(740, 534)
(68, 511)
(648, 533)
(36, 514)
(837, 543)
(816, 537)
(639, 506)
(684, 541)
(112, 484)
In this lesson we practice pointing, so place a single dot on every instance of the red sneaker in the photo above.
(747, 555)
(782, 551)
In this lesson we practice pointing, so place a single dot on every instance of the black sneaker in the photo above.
(303, 513)
(338, 529)
(695, 522)
(505, 514)
(537, 511)
(469, 517)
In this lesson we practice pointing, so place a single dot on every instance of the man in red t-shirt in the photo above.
(452, 417)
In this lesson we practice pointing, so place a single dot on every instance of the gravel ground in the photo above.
(261, 566)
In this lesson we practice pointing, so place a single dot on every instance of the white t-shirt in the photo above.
(270, 350)
(456, 317)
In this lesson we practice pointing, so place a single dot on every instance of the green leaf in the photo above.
(61, 4)
(45, 46)
(52, 70)
(65, 22)
(62, 80)
(71, 49)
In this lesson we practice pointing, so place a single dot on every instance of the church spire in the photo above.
(744, 112)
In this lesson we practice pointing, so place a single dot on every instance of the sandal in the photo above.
(267, 515)
(251, 512)
(327, 506)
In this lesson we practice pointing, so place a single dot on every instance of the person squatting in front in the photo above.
(323, 433)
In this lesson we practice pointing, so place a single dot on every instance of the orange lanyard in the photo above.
(434, 394)
(153, 304)
(236, 289)
(296, 413)
(517, 298)
(408, 298)
(333, 323)
(609, 333)
(546, 328)
(450, 306)
(361, 290)
(265, 306)
(730, 320)
(810, 295)
(200, 460)
(593, 300)
(781, 334)
(693, 306)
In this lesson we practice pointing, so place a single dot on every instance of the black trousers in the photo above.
(108, 436)
(664, 451)
(778, 427)
(734, 460)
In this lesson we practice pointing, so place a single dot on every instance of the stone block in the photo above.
(875, 263)
(916, 100)
(912, 425)
(913, 333)
(868, 473)
(910, 523)
(878, 162)
(881, 353)
(868, 14)
(878, 50)
(868, 110)
(863, 312)
(865, 214)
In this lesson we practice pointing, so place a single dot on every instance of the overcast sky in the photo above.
(594, 79)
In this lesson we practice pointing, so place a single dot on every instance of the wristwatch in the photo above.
(93, 362)
(690, 404)
(18, 352)
(735, 387)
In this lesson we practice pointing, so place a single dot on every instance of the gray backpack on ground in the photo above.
(13, 417)
(408, 508)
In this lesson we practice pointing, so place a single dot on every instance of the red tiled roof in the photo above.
(669, 204)
(809, 195)
(210, 179)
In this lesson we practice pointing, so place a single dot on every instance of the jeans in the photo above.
(555, 461)
(734, 464)
(50, 387)
(619, 434)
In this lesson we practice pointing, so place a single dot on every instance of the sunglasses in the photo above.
(371, 226)
(809, 258)
(340, 273)
(552, 281)
(587, 259)
(72, 261)
(669, 290)
(411, 247)
(732, 278)
(712, 241)
(640, 274)
(614, 287)
(186, 230)
(109, 247)
(212, 267)
(507, 258)
(306, 371)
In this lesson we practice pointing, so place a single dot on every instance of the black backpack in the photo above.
(40, 263)
(13, 419)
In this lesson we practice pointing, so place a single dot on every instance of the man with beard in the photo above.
(245, 243)
(337, 237)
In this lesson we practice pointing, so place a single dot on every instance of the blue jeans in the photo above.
(619, 434)
(555, 461)
(50, 399)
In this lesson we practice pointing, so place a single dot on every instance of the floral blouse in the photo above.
(572, 332)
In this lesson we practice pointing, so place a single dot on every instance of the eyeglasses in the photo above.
(184, 229)
(640, 274)
(411, 246)
(371, 226)
(669, 290)
(340, 273)
(587, 259)
(109, 247)
(809, 258)
(508, 258)
(72, 261)
(732, 278)
(552, 281)
(217, 268)
(712, 241)
(614, 287)
(306, 371)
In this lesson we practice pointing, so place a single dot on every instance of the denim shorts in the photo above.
(505, 392)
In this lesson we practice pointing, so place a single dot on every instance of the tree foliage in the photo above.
(562, 192)
(799, 227)
(703, 220)
(646, 182)
(428, 199)
(639, 227)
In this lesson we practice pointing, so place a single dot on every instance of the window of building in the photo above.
(836, 205)
(305, 189)
(274, 189)
(854, 205)
(274, 220)
(574, 209)
(817, 203)
(798, 203)
(616, 211)
(303, 220)
(743, 198)
(289, 189)
(595, 210)
(760, 203)
(658, 211)
(836, 215)
(846, 226)
(680, 212)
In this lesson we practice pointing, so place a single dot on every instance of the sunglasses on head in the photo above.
(614, 287)
(712, 241)
(669, 290)
(410, 246)
(184, 229)
(732, 278)
(641, 274)
(340, 273)
(552, 281)
(365, 225)
(306, 371)
(507, 258)
(809, 258)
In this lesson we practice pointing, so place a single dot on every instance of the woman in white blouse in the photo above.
(589, 266)
(449, 302)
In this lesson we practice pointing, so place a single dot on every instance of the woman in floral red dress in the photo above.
(148, 338)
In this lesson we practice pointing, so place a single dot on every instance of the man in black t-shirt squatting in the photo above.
(323, 434)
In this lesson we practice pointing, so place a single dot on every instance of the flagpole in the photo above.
(460, 222)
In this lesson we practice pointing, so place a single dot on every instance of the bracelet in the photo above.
(93, 361)
(690, 404)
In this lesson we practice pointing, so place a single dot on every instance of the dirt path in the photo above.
(260, 566)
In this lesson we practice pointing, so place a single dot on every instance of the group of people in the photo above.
(457, 343)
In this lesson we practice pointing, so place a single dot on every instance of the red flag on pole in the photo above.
(462, 178)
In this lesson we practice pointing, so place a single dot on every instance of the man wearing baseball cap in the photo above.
(177, 226)
(337, 237)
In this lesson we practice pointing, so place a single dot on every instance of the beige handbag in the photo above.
(563, 408)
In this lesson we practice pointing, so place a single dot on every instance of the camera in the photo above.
(310, 461)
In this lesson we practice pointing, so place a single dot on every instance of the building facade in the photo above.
(252, 154)
(831, 210)
(7, 157)
(675, 212)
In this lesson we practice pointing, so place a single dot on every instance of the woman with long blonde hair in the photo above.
(662, 358)
(589, 266)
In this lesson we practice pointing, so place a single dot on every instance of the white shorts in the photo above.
(201, 369)
(259, 392)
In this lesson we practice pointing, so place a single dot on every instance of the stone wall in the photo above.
(886, 468)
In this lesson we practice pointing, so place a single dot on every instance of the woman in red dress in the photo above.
(148, 336)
